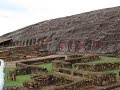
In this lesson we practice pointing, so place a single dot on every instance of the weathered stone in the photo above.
(96, 31)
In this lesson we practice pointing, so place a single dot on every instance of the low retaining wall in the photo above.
(100, 78)
(73, 56)
(4, 53)
(61, 64)
(37, 61)
(23, 69)
(23, 52)
(86, 58)
(29, 66)
(97, 66)
(59, 81)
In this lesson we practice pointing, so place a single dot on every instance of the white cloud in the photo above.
(39, 10)
(62, 4)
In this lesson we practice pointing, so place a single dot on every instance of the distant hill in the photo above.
(96, 31)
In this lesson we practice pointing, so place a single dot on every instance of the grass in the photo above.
(48, 66)
(102, 60)
(108, 60)
(7, 69)
(19, 79)
(105, 59)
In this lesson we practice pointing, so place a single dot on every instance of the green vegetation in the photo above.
(19, 79)
(105, 59)
(48, 66)
(7, 69)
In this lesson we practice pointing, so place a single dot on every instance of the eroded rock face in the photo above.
(97, 31)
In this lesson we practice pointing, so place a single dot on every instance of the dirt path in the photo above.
(13, 63)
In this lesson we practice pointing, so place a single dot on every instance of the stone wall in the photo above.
(4, 53)
(79, 67)
(59, 81)
(65, 73)
(97, 66)
(30, 65)
(60, 64)
(26, 70)
(37, 61)
(29, 69)
(100, 78)
(22, 52)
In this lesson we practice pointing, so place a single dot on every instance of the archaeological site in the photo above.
(78, 52)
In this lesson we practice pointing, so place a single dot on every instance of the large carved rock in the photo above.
(96, 31)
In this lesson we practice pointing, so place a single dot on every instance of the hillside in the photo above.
(97, 31)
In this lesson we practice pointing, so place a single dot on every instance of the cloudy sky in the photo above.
(15, 14)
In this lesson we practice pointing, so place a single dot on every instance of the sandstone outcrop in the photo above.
(96, 31)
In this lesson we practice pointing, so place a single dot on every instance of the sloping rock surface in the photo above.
(99, 29)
